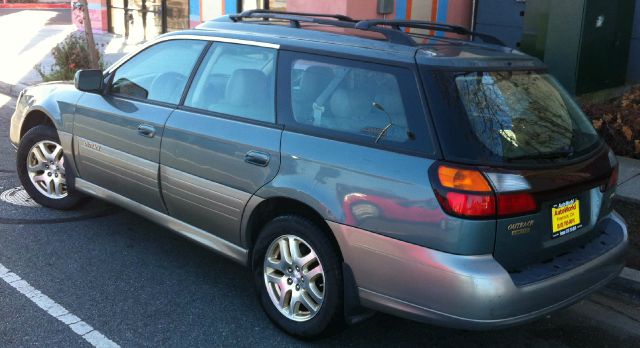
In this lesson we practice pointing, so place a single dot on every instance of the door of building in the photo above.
(145, 19)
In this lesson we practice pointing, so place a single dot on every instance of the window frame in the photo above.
(426, 147)
(111, 72)
(271, 124)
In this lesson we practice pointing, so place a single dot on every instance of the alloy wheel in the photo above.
(45, 166)
(294, 278)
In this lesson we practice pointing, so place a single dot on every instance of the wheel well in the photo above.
(271, 208)
(35, 118)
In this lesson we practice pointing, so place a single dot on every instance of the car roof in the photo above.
(435, 51)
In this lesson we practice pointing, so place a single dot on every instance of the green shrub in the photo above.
(69, 56)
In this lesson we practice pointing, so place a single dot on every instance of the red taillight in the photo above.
(467, 193)
(470, 205)
(510, 204)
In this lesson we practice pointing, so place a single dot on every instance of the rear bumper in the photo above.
(466, 292)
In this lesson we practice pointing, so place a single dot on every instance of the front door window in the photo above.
(159, 73)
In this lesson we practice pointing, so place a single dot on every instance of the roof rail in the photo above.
(250, 14)
(295, 18)
(390, 28)
(435, 26)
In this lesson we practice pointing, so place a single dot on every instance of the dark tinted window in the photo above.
(364, 102)
(236, 80)
(158, 73)
(510, 117)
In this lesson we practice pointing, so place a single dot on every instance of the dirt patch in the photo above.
(631, 213)
(618, 122)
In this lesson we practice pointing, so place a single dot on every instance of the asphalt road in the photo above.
(141, 285)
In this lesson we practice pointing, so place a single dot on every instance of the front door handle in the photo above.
(146, 130)
(257, 158)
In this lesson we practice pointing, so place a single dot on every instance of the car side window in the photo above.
(237, 80)
(365, 102)
(159, 73)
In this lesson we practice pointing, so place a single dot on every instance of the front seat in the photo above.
(167, 87)
(247, 95)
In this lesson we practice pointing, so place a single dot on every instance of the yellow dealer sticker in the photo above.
(565, 217)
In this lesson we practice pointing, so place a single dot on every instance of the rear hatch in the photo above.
(525, 134)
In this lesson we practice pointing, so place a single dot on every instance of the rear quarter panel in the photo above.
(333, 177)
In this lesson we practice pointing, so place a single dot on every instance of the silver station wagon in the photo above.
(353, 166)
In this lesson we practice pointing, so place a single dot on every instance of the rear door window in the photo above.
(361, 102)
(236, 80)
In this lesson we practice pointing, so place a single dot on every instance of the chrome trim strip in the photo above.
(219, 39)
(122, 60)
(210, 241)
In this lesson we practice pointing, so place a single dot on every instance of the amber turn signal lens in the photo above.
(463, 179)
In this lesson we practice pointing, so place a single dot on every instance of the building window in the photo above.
(146, 19)
(275, 5)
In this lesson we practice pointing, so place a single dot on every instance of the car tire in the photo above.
(40, 165)
(308, 238)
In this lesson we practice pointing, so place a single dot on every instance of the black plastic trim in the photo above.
(610, 236)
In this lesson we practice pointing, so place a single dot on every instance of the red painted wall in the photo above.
(459, 12)
(353, 8)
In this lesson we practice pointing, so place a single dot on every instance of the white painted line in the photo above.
(630, 274)
(94, 337)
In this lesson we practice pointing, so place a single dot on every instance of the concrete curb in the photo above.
(630, 274)
(11, 89)
(627, 199)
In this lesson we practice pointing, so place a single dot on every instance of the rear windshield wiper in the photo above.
(384, 130)
(542, 155)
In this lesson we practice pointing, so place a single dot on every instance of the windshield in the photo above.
(510, 117)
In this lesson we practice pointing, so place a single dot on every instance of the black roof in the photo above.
(381, 39)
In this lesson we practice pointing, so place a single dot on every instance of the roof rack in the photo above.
(435, 26)
(295, 18)
(249, 13)
(392, 29)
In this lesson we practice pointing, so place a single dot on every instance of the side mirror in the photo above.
(89, 80)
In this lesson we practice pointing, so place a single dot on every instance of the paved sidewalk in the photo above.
(30, 36)
(628, 180)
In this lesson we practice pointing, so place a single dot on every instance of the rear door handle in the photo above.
(146, 130)
(257, 158)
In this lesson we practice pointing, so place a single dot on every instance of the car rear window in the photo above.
(509, 117)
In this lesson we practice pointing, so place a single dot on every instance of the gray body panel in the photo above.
(205, 179)
(56, 100)
(111, 153)
(340, 180)
(466, 292)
